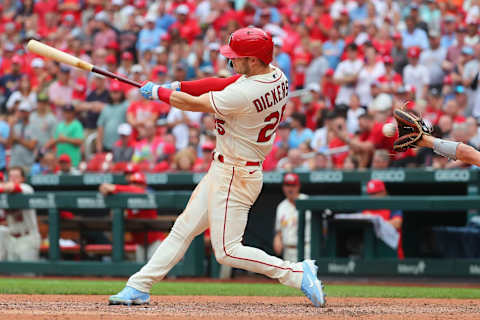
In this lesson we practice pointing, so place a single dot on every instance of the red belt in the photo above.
(18, 235)
(248, 163)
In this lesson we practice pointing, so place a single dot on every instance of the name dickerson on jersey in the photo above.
(272, 97)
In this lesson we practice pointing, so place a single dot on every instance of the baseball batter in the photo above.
(21, 238)
(248, 108)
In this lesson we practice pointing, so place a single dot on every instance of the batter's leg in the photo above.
(192, 222)
(234, 191)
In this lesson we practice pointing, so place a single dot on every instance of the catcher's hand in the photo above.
(411, 127)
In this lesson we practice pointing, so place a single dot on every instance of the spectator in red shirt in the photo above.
(147, 242)
(371, 136)
(142, 111)
(319, 22)
(330, 88)
(186, 27)
(42, 7)
(339, 142)
(311, 105)
(433, 110)
(391, 80)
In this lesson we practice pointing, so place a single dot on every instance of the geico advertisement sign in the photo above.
(452, 175)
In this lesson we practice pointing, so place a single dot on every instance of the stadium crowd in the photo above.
(349, 63)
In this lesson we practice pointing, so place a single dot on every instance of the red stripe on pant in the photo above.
(224, 231)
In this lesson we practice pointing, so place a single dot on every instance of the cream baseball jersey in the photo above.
(247, 114)
(22, 221)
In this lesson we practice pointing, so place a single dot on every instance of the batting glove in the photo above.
(175, 85)
(150, 90)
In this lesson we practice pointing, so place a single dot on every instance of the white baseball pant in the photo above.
(221, 200)
(24, 248)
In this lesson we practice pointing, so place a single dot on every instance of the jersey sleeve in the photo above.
(201, 86)
(230, 100)
(127, 189)
(26, 188)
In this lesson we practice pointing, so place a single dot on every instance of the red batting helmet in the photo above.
(249, 42)
(138, 177)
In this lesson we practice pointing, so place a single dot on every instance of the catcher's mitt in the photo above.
(411, 127)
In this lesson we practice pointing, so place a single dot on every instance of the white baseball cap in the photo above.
(382, 102)
(25, 106)
(213, 46)
(313, 87)
(37, 63)
(101, 16)
(159, 50)
(124, 129)
(117, 2)
(150, 18)
(137, 68)
(182, 9)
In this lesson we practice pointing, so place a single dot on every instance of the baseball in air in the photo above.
(388, 130)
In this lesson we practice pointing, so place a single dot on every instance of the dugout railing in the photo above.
(384, 266)
(53, 202)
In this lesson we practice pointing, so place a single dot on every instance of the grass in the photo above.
(90, 287)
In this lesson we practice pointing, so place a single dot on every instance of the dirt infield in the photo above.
(49, 307)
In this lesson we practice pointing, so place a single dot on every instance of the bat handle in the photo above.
(116, 76)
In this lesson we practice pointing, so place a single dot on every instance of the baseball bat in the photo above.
(60, 56)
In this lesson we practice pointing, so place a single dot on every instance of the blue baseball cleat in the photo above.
(130, 296)
(311, 286)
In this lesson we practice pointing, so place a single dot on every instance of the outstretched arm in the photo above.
(198, 87)
(456, 150)
(178, 99)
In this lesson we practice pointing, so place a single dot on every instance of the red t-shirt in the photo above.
(330, 91)
(224, 19)
(315, 32)
(389, 80)
(188, 30)
(41, 8)
(77, 14)
(379, 140)
(310, 115)
(144, 110)
(432, 114)
(339, 158)
(139, 237)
